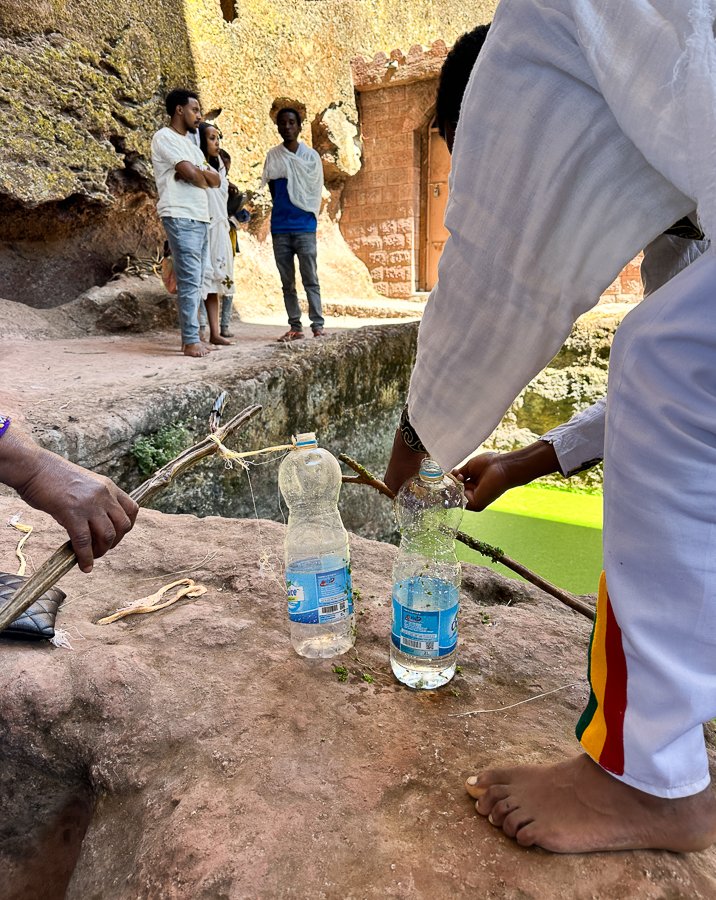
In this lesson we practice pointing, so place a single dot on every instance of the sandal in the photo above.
(291, 336)
(319, 332)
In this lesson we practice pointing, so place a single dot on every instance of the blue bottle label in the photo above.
(319, 598)
(425, 617)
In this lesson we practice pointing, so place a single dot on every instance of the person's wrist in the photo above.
(21, 460)
(531, 462)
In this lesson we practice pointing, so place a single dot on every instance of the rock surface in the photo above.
(82, 88)
(213, 762)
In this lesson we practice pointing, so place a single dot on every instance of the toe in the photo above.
(500, 810)
(476, 784)
(491, 796)
(515, 820)
(526, 835)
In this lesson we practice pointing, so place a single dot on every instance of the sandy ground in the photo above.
(43, 378)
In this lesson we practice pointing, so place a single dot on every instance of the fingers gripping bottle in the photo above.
(426, 579)
(318, 577)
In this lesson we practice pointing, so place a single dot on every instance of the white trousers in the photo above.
(653, 652)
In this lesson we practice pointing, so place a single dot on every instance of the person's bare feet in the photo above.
(208, 347)
(196, 350)
(577, 807)
(221, 341)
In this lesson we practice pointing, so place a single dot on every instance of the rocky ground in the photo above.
(207, 760)
(191, 753)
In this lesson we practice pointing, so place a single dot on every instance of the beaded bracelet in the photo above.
(4, 424)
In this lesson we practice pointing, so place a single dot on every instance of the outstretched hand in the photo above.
(487, 476)
(93, 510)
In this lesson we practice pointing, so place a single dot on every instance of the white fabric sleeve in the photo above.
(655, 64)
(579, 443)
(173, 150)
(550, 196)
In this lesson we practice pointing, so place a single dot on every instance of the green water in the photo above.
(557, 534)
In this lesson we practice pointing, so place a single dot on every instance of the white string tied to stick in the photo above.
(232, 456)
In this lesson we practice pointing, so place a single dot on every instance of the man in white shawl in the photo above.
(600, 119)
(294, 174)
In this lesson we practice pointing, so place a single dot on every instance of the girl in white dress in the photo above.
(219, 268)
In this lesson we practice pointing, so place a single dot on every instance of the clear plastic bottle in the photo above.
(318, 574)
(426, 579)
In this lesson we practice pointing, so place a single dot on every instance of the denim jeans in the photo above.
(189, 244)
(303, 245)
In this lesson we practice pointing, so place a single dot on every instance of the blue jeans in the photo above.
(303, 245)
(189, 244)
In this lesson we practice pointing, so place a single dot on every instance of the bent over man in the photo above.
(601, 120)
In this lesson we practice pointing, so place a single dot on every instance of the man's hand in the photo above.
(403, 464)
(93, 510)
(487, 476)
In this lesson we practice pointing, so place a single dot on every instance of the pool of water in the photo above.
(556, 533)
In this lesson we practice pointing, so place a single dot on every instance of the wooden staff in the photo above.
(63, 559)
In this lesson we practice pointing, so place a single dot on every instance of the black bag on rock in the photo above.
(36, 623)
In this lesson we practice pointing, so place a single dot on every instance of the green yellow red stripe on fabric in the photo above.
(600, 729)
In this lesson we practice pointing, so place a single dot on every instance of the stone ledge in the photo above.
(400, 68)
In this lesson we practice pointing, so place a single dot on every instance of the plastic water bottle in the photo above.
(426, 579)
(318, 574)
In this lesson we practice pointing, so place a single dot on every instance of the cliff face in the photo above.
(81, 90)
(80, 94)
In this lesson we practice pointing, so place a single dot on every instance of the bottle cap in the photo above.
(307, 439)
(430, 471)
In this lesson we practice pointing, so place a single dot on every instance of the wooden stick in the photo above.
(493, 553)
(63, 559)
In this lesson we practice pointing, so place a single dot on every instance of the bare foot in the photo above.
(221, 341)
(208, 347)
(194, 349)
(577, 807)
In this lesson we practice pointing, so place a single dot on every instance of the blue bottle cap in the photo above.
(430, 471)
(307, 439)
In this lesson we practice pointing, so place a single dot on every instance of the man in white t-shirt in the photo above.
(183, 177)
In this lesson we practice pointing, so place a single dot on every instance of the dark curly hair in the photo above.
(455, 75)
(178, 97)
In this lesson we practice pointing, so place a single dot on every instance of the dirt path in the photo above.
(42, 378)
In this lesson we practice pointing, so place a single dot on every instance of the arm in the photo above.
(406, 455)
(570, 448)
(93, 510)
(203, 178)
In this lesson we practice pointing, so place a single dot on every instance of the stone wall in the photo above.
(81, 88)
(627, 286)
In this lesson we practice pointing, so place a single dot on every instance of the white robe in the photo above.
(219, 268)
(587, 129)
(303, 171)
